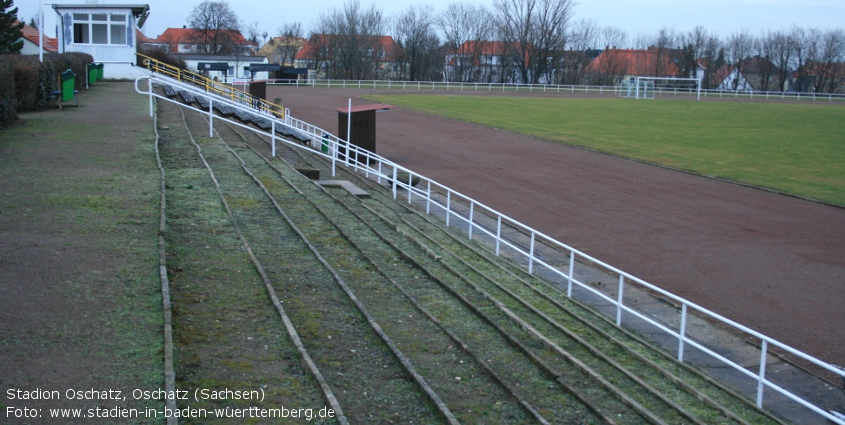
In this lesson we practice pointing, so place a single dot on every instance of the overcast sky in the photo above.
(635, 17)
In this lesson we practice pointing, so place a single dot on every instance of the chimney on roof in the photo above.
(184, 26)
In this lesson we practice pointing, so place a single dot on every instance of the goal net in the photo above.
(635, 88)
(648, 87)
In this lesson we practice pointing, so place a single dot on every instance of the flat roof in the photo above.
(137, 9)
(364, 108)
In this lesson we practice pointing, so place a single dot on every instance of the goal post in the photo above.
(645, 86)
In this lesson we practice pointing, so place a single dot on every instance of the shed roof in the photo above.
(364, 108)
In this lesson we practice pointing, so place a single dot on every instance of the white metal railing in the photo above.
(438, 196)
(554, 88)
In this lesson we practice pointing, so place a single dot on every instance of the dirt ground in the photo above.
(80, 300)
(771, 262)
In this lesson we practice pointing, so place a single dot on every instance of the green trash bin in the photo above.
(92, 73)
(99, 71)
(325, 145)
(67, 79)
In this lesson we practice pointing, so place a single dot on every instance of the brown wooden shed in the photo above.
(363, 130)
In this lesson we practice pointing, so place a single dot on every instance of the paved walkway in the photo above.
(773, 263)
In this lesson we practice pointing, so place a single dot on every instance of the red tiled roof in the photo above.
(308, 51)
(50, 44)
(634, 62)
(488, 48)
(143, 38)
(476, 48)
(176, 36)
(721, 75)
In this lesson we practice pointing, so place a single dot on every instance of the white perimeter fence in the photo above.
(475, 217)
(553, 88)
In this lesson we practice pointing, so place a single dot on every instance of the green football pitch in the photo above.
(797, 148)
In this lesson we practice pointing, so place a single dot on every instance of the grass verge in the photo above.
(793, 148)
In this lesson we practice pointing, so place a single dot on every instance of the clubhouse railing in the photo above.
(553, 88)
(467, 211)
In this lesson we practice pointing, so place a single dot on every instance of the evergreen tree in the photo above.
(10, 33)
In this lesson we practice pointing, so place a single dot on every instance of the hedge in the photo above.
(27, 84)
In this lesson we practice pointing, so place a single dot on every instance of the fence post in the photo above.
(619, 301)
(682, 332)
(571, 271)
(762, 376)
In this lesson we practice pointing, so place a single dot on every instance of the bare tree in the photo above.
(765, 47)
(466, 28)
(417, 42)
(583, 40)
(214, 24)
(535, 33)
(692, 44)
(35, 20)
(782, 45)
(806, 53)
(740, 46)
(611, 64)
(288, 43)
(352, 37)
(830, 57)
(666, 52)
(252, 32)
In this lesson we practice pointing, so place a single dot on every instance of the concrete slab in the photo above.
(345, 184)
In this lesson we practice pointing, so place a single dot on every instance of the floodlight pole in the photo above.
(41, 33)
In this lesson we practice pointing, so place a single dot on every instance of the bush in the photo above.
(8, 101)
(76, 62)
(27, 84)
(161, 56)
(26, 72)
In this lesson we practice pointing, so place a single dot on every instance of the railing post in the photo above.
(334, 155)
(273, 138)
(428, 199)
(210, 117)
(498, 233)
(448, 206)
(571, 272)
(150, 85)
(531, 255)
(619, 301)
(760, 385)
(682, 333)
(471, 210)
(410, 180)
(395, 182)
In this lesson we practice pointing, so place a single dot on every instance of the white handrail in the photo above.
(339, 151)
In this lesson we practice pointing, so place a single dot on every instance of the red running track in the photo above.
(771, 262)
